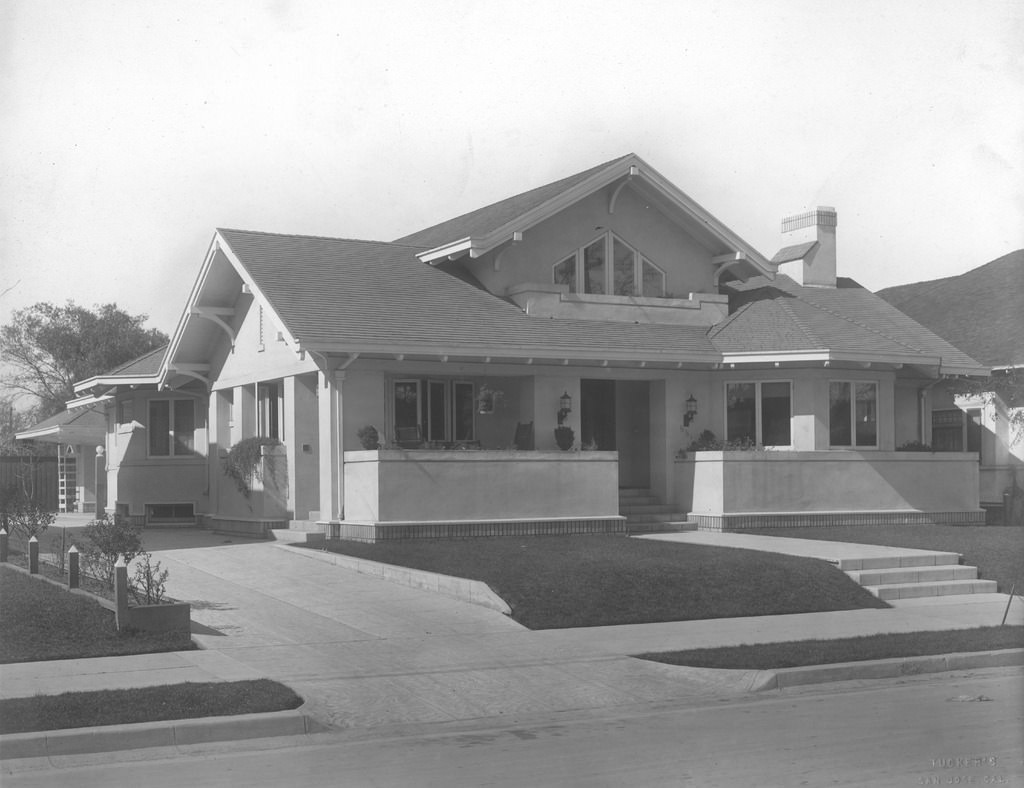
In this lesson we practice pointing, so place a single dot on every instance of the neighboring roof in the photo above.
(491, 217)
(979, 311)
(143, 369)
(80, 425)
(790, 253)
(146, 364)
(361, 296)
(781, 316)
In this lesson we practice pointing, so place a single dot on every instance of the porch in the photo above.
(426, 493)
(735, 490)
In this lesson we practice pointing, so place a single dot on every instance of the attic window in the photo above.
(587, 270)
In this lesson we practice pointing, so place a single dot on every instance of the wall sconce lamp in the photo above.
(564, 407)
(691, 410)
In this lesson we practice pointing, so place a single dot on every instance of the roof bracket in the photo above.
(517, 236)
(213, 314)
(633, 170)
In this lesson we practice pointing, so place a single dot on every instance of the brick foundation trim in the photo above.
(740, 522)
(379, 532)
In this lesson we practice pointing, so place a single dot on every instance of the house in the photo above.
(80, 433)
(608, 302)
(980, 312)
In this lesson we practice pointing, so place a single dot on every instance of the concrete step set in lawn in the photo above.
(887, 572)
(645, 513)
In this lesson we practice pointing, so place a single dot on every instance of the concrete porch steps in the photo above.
(938, 588)
(913, 575)
(645, 514)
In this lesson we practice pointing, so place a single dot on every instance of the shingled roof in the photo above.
(979, 311)
(782, 316)
(491, 217)
(366, 295)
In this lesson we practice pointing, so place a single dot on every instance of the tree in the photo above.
(48, 348)
(1008, 385)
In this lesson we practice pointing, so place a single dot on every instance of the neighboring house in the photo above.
(980, 312)
(608, 302)
(80, 433)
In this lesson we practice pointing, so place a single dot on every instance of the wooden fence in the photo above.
(36, 477)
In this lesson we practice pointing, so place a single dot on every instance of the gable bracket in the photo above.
(633, 170)
(213, 314)
(517, 236)
(192, 371)
(724, 262)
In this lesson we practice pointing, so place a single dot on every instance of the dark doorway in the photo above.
(597, 414)
(615, 415)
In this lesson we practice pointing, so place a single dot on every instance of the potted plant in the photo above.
(564, 437)
(369, 437)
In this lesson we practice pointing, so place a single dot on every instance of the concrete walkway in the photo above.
(365, 652)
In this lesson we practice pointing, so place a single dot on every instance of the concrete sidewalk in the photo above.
(364, 652)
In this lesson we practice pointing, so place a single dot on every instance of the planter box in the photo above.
(175, 617)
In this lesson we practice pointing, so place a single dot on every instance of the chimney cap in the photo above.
(822, 216)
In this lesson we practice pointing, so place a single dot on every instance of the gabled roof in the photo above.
(342, 295)
(78, 425)
(488, 228)
(979, 311)
(845, 322)
(485, 220)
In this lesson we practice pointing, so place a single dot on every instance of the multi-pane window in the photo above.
(268, 397)
(759, 412)
(853, 413)
(956, 430)
(433, 410)
(172, 428)
(609, 266)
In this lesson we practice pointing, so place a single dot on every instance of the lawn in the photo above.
(144, 704)
(997, 551)
(555, 582)
(774, 656)
(39, 622)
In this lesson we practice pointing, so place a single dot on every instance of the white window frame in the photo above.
(758, 421)
(424, 390)
(171, 434)
(639, 260)
(853, 383)
(965, 419)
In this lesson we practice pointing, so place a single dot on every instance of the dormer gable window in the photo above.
(609, 266)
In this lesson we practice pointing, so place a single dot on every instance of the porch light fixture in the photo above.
(691, 410)
(564, 407)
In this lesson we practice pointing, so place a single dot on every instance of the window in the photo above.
(853, 413)
(172, 428)
(268, 396)
(170, 513)
(956, 430)
(609, 265)
(441, 410)
(758, 412)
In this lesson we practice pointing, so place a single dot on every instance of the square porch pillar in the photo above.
(332, 466)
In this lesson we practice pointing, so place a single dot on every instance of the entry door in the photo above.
(633, 432)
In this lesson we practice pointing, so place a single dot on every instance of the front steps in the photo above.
(645, 514)
(914, 576)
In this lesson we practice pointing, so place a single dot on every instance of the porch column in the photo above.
(332, 466)
(243, 413)
(219, 439)
(301, 440)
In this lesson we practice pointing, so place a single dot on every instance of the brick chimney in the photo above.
(810, 257)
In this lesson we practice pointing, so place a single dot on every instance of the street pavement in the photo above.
(365, 652)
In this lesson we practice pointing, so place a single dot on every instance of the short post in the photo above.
(3, 545)
(73, 567)
(121, 593)
(1008, 601)
(33, 556)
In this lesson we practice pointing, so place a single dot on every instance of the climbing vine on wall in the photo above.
(243, 462)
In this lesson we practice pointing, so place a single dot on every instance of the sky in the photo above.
(131, 129)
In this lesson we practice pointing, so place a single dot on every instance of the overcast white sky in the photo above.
(130, 129)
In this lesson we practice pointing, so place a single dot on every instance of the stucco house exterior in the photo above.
(609, 302)
(980, 312)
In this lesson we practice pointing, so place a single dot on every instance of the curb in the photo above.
(764, 680)
(167, 733)
(475, 592)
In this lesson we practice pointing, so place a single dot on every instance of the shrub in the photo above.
(22, 517)
(106, 538)
(148, 584)
(369, 437)
(914, 446)
(707, 441)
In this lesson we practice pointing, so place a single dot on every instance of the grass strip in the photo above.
(798, 653)
(588, 581)
(144, 704)
(41, 622)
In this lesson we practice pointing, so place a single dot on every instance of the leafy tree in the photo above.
(1006, 384)
(48, 348)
